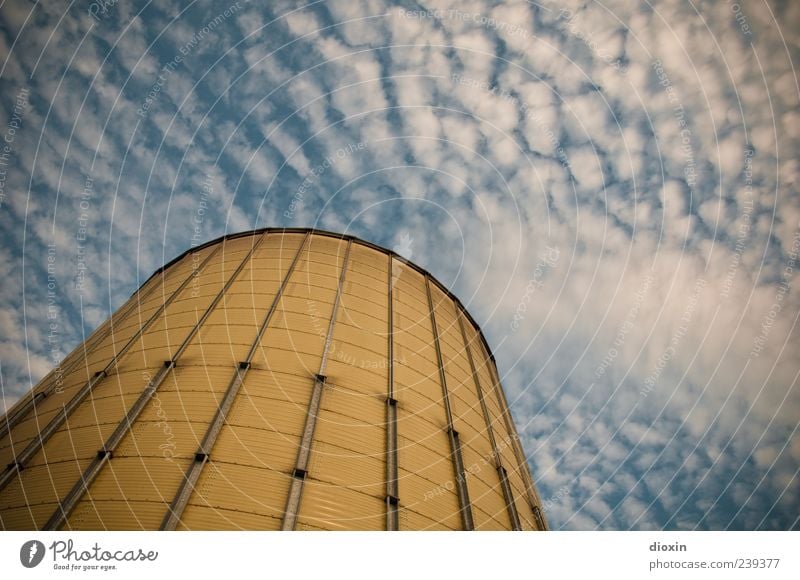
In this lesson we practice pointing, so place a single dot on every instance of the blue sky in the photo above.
(610, 188)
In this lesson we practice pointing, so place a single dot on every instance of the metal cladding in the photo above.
(277, 379)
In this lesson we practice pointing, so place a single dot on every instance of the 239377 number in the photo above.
(757, 562)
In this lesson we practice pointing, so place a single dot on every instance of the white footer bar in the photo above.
(407, 555)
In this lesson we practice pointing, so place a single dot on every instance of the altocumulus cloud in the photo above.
(644, 153)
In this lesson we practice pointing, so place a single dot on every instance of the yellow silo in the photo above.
(275, 379)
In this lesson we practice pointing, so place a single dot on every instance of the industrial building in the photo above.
(275, 379)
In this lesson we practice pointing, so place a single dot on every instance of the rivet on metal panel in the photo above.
(392, 508)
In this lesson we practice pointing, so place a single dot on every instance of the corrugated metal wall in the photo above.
(279, 379)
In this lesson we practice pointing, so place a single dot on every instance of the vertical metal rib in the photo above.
(16, 415)
(254, 347)
(175, 510)
(522, 464)
(392, 492)
(304, 452)
(60, 418)
(301, 466)
(537, 515)
(452, 434)
(73, 497)
(201, 457)
(508, 495)
(337, 300)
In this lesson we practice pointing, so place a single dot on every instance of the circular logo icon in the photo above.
(31, 553)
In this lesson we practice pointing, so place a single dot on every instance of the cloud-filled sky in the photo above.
(611, 188)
